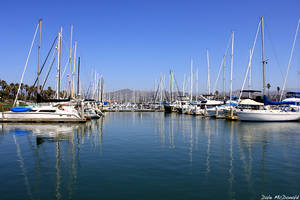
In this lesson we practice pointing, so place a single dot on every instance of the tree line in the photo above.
(8, 92)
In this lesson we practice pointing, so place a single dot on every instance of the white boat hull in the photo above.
(268, 116)
(38, 117)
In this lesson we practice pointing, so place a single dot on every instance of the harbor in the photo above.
(150, 100)
(72, 104)
(154, 155)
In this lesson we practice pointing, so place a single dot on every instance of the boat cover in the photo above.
(20, 109)
(268, 102)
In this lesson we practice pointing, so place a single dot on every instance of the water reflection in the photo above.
(231, 175)
(208, 128)
(23, 169)
(67, 140)
(236, 155)
(235, 141)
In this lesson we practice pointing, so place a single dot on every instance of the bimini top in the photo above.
(20, 109)
(250, 102)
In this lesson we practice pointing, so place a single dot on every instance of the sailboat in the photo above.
(205, 105)
(269, 113)
(59, 113)
(55, 112)
(219, 111)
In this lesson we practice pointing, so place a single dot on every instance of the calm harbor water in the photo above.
(149, 156)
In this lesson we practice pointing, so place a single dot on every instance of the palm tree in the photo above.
(22, 91)
(7, 91)
(15, 89)
(30, 91)
(26, 89)
(268, 86)
(278, 89)
(3, 84)
(50, 92)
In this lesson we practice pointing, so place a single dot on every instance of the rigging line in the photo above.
(298, 72)
(45, 60)
(28, 56)
(165, 91)
(222, 63)
(250, 60)
(49, 68)
(68, 62)
(158, 88)
(274, 51)
(290, 60)
(178, 91)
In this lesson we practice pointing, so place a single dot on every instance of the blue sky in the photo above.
(132, 41)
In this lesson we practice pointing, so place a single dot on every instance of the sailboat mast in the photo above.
(191, 80)
(39, 57)
(95, 84)
(58, 63)
(231, 65)
(99, 88)
(160, 87)
(173, 85)
(102, 87)
(224, 80)
(70, 59)
(170, 85)
(73, 73)
(250, 75)
(263, 55)
(154, 91)
(78, 86)
(183, 84)
(208, 72)
(197, 84)
(290, 60)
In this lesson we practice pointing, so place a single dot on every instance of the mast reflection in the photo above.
(59, 141)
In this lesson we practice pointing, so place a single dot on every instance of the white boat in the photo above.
(223, 110)
(59, 113)
(251, 110)
(217, 111)
(268, 115)
(181, 105)
(43, 113)
(275, 113)
(207, 107)
(91, 110)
